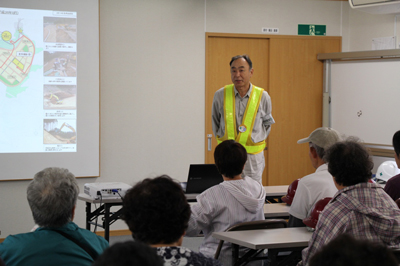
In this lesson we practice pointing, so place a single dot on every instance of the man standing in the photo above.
(242, 112)
(318, 185)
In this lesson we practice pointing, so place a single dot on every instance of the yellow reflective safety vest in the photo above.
(246, 128)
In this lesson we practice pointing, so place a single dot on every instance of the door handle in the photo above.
(209, 139)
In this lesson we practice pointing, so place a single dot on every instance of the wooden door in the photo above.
(287, 67)
(219, 51)
(296, 89)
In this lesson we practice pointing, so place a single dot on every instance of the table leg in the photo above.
(272, 255)
(88, 212)
(235, 253)
(106, 224)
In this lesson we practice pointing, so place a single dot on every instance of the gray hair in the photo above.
(52, 195)
(320, 151)
(245, 57)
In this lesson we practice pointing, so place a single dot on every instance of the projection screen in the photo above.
(49, 87)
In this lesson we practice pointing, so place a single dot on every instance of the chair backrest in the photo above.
(262, 224)
(398, 202)
(253, 225)
(291, 191)
(312, 220)
(396, 253)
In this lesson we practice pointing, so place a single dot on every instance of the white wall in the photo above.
(364, 27)
(152, 56)
(237, 16)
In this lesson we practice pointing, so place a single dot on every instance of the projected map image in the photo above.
(59, 30)
(59, 64)
(16, 57)
(59, 97)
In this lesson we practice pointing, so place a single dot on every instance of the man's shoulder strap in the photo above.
(86, 248)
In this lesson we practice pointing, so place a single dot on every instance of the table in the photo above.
(103, 210)
(276, 190)
(275, 240)
(274, 193)
(272, 210)
(276, 210)
(191, 197)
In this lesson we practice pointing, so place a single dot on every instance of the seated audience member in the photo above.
(345, 250)
(392, 186)
(237, 199)
(157, 213)
(359, 208)
(318, 185)
(129, 253)
(52, 196)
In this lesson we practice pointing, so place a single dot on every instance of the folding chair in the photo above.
(396, 253)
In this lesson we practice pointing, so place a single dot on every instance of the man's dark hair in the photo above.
(156, 211)
(129, 253)
(230, 157)
(245, 57)
(349, 163)
(396, 143)
(345, 250)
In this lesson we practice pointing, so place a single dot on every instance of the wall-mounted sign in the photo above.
(319, 30)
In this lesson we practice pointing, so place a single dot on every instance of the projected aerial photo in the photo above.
(59, 64)
(61, 30)
(59, 97)
(59, 131)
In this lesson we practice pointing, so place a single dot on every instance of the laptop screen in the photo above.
(202, 177)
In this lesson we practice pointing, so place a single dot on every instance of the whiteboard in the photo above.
(365, 98)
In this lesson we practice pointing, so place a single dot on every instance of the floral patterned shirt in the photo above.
(181, 256)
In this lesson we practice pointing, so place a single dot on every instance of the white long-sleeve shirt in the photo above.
(223, 206)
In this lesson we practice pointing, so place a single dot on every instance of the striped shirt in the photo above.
(364, 211)
(223, 206)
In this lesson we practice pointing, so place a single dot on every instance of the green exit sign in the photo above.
(319, 30)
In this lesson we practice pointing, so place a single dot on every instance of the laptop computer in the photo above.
(202, 177)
